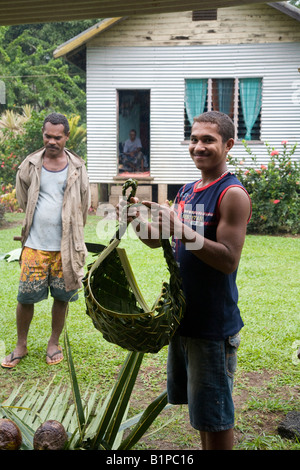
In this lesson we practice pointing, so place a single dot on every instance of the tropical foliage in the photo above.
(13, 121)
(91, 424)
(21, 134)
(274, 190)
(8, 199)
(31, 74)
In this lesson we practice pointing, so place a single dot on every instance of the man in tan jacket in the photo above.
(52, 188)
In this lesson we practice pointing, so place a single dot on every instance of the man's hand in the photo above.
(164, 219)
(129, 214)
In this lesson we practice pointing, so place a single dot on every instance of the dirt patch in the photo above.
(252, 391)
(6, 224)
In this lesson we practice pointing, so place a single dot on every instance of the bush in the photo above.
(274, 190)
(15, 146)
(9, 165)
(2, 212)
(8, 199)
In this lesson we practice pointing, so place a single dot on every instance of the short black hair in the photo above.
(57, 118)
(223, 122)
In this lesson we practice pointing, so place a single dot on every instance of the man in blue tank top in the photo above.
(202, 356)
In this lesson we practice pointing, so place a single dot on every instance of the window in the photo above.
(239, 98)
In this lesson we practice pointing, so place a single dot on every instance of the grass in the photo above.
(267, 380)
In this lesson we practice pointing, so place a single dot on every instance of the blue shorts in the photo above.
(200, 373)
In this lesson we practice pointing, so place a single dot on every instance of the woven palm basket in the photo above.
(116, 305)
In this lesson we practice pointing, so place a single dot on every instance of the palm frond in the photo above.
(116, 305)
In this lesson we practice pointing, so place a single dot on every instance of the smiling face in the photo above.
(207, 148)
(55, 139)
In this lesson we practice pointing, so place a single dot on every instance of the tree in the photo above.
(296, 3)
(31, 74)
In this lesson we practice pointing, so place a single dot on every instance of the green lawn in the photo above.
(267, 381)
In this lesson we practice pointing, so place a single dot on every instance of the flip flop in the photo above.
(59, 350)
(12, 358)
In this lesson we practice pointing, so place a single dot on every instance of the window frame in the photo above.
(235, 103)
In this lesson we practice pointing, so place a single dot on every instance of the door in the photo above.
(134, 131)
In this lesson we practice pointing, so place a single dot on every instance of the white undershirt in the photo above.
(46, 230)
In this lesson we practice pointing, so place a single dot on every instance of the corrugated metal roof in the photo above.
(41, 11)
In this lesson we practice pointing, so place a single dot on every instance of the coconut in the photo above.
(10, 435)
(51, 435)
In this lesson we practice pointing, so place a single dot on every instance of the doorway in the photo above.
(134, 131)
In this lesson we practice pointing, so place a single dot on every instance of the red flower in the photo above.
(284, 142)
(274, 152)
(276, 201)
(263, 167)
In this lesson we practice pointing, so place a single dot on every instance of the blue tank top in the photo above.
(211, 296)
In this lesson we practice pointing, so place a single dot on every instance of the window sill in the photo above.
(249, 142)
(237, 142)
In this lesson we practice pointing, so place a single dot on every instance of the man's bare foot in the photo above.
(13, 359)
(54, 354)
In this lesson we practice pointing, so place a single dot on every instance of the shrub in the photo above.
(9, 165)
(2, 212)
(15, 146)
(274, 190)
(8, 199)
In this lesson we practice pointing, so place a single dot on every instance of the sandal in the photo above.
(12, 358)
(59, 350)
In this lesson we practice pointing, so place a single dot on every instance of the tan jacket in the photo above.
(75, 207)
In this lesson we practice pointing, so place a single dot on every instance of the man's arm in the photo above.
(85, 194)
(224, 253)
(125, 148)
(21, 191)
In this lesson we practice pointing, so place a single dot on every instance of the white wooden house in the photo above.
(143, 71)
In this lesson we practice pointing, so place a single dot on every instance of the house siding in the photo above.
(258, 23)
(163, 71)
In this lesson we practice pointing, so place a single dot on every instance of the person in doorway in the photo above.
(133, 156)
(202, 354)
(53, 190)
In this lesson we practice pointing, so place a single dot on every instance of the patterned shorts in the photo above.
(41, 270)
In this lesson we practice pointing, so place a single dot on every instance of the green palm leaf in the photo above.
(118, 401)
(105, 420)
(145, 421)
(74, 384)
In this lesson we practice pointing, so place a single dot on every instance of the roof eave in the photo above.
(82, 38)
(286, 8)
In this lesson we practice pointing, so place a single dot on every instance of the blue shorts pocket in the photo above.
(232, 345)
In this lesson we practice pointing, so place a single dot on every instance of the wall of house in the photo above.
(259, 23)
(114, 62)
